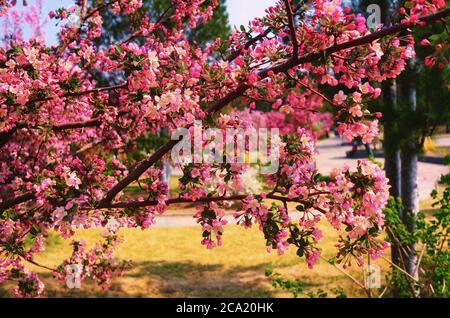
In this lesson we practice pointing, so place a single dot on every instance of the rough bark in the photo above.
(391, 147)
(410, 199)
(409, 186)
(391, 143)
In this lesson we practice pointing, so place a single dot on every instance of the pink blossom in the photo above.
(339, 98)
(252, 78)
(356, 111)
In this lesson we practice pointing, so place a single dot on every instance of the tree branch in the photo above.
(238, 197)
(292, 28)
(297, 80)
(249, 43)
(16, 200)
(76, 94)
(255, 39)
(6, 136)
(138, 33)
(81, 124)
(84, 16)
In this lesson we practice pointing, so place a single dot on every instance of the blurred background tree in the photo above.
(414, 106)
(116, 28)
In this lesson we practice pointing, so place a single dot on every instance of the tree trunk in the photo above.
(391, 149)
(409, 187)
(391, 145)
(410, 199)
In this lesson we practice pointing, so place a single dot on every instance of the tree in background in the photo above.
(117, 28)
(413, 105)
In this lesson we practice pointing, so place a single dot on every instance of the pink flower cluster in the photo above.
(272, 221)
(212, 220)
(28, 283)
(96, 263)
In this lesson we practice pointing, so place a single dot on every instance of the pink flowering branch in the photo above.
(249, 43)
(139, 33)
(283, 67)
(81, 93)
(9, 203)
(84, 17)
(315, 91)
(242, 88)
(94, 122)
(258, 38)
(239, 197)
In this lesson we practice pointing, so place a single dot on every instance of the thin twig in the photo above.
(400, 269)
(346, 274)
(292, 28)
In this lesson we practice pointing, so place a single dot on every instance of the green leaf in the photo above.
(118, 48)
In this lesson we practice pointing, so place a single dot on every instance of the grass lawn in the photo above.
(171, 262)
(441, 151)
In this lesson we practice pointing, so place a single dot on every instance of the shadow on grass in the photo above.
(170, 279)
(189, 279)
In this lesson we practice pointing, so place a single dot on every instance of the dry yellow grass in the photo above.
(170, 262)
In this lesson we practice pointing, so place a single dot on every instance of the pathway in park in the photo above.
(331, 155)
(443, 141)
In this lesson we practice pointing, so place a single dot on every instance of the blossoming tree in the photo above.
(64, 139)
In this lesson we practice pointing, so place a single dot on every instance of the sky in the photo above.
(242, 11)
(239, 12)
